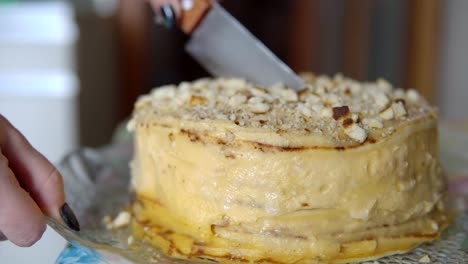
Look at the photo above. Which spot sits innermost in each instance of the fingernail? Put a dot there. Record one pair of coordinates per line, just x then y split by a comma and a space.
168, 15
69, 217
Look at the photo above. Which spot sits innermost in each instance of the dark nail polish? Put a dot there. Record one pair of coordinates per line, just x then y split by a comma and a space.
69, 217
168, 15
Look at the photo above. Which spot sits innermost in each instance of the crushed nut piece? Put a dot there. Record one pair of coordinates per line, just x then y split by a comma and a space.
288, 95
347, 122
398, 109
237, 100
384, 84
326, 112
259, 108
258, 91
195, 100
256, 100
372, 123
340, 111
305, 110
356, 132
399, 93
412, 95
387, 114
381, 100
234, 83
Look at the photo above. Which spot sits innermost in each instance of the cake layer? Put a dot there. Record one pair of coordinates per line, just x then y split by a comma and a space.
225, 194
232, 244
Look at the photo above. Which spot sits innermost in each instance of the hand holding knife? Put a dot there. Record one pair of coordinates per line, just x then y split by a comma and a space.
224, 47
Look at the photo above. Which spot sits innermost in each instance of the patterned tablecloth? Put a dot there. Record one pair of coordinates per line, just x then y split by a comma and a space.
96, 183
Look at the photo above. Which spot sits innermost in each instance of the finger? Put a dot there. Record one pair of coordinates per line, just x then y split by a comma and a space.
33, 171
21, 220
157, 4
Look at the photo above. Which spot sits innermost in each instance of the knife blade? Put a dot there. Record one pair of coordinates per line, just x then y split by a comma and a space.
225, 48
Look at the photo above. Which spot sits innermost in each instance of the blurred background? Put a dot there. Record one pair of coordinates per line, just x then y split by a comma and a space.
70, 71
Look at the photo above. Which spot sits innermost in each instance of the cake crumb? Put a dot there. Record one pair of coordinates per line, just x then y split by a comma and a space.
425, 259
130, 240
121, 220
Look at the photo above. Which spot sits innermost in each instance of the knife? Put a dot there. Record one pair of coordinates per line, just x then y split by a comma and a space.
225, 48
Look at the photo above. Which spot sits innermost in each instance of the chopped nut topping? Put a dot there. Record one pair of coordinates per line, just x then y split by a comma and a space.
315, 109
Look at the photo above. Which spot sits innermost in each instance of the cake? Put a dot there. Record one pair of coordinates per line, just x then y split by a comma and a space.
337, 172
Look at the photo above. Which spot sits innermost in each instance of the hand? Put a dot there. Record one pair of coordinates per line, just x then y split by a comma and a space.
30, 186
168, 10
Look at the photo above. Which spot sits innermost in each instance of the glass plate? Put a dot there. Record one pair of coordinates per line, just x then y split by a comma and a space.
97, 184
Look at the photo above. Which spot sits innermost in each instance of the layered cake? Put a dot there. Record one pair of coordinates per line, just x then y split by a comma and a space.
339, 171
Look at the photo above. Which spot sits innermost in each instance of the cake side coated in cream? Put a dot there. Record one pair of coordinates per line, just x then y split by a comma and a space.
287, 189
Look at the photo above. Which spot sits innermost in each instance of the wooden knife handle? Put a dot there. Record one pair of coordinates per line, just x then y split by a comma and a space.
192, 15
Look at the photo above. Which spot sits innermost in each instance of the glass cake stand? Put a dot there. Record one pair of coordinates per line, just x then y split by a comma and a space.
97, 185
